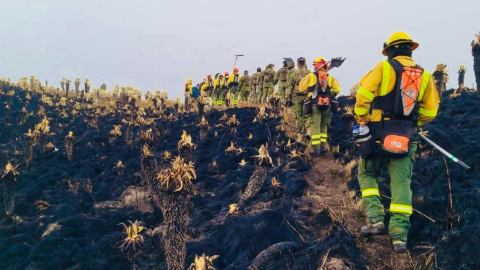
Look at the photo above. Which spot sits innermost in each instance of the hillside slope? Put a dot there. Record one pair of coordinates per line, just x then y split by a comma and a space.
314, 223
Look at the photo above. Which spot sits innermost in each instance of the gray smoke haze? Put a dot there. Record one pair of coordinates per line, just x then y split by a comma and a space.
152, 44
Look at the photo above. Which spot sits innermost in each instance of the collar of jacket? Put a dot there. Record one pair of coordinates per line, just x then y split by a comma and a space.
405, 60
403, 57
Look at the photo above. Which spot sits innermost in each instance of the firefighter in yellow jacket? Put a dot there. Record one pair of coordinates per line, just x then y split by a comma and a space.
218, 90
395, 98
321, 88
187, 93
208, 87
233, 82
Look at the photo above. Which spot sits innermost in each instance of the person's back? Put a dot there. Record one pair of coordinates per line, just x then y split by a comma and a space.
401, 97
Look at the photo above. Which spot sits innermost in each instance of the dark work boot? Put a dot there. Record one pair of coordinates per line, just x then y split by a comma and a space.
399, 247
375, 229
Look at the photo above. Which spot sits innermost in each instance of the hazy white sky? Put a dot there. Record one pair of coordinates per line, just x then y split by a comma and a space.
158, 44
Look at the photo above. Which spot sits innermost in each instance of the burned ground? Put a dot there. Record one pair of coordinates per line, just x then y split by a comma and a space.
314, 224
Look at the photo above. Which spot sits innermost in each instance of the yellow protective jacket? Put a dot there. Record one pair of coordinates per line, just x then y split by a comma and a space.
381, 81
209, 84
310, 81
232, 81
218, 83
188, 87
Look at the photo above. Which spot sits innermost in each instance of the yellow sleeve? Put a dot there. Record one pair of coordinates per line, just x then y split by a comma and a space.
429, 102
335, 86
306, 82
230, 78
369, 86
204, 86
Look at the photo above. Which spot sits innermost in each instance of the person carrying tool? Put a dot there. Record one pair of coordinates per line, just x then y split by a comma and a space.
218, 90
245, 86
233, 83
268, 78
298, 97
321, 88
395, 98
281, 78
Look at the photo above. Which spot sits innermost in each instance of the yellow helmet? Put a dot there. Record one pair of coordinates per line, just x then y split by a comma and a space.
189, 81
398, 38
320, 63
319, 59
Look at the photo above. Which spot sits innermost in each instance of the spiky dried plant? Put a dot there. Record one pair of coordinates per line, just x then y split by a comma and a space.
73, 186
233, 149
69, 141
243, 163
141, 122
295, 154
179, 177
93, 123
263, 157
62, 83
185, 146
232, 210
461, 77
233, 121
24, 116
87, 85
128, 131
203, 262
115, 133
224, 117
119, 168
171, 190
67, 87
41, 132
250, 136
9, 177
149, 136
276, 189
263, 160
203, 124
476, 59
133, 242
261, 115
440, 76
41, 112
42, 205
77, 85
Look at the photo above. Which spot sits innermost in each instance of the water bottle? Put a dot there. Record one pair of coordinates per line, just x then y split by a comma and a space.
363, 130
356, 131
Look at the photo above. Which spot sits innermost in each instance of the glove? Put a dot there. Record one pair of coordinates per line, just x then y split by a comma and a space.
363, 118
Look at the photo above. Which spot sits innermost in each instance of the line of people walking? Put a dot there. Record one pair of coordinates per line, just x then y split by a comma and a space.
394, 99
